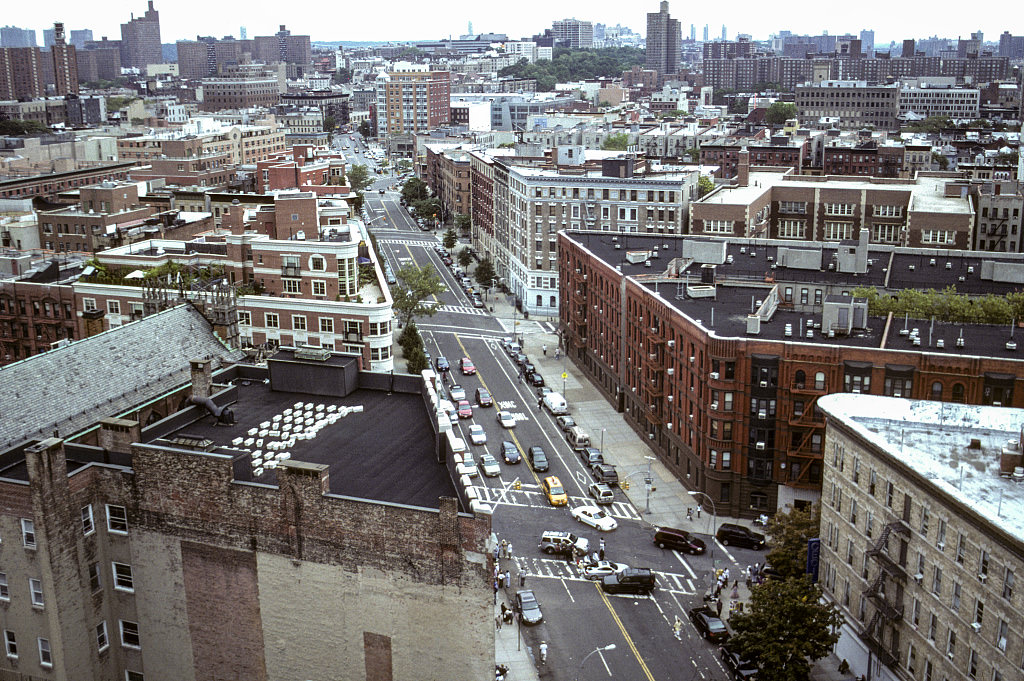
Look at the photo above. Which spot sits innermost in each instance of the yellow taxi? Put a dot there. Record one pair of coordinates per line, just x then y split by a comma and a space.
556, 495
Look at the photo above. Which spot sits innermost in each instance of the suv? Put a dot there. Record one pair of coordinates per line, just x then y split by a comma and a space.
538, 459
601, 492
591, 455
606, 473
629, 581
483, 398
680, 540
738, 535
563, 542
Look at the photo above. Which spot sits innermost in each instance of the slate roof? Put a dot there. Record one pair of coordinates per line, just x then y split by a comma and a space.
71, 388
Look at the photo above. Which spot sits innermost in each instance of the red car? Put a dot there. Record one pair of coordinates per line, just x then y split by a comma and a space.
465, 409
466, 366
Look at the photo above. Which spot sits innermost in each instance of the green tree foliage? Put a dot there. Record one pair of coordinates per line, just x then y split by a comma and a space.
414, 190
485, 273
364, 129
705, 185
780, 112
358, 178
416, 361
450, 238
464, 258
463, 223
427, 209
946, 305
410, 338
789, 533
930, 124
329, 124
940, 160
415, 286
570, 65
785, 628
18, 127
341, 76
616, 142
694, 154
118, 103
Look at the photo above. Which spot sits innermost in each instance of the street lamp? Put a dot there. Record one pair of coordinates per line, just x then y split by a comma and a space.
714, 521
602, 437
648, 483
610, 646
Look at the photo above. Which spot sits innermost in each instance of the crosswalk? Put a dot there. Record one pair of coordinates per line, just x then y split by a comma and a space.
409, 242
553, 568
531, 495
525, 327
461, 309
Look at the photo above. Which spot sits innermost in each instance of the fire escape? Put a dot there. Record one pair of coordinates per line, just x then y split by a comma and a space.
588, 211
886, 592
809, 423
578, 309
654, 375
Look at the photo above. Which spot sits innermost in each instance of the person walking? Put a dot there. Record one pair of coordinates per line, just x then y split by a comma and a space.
495, 591
508, 550
545, 349
508, 579
543, 652
677, 628
497, 621
504, 548
718, 606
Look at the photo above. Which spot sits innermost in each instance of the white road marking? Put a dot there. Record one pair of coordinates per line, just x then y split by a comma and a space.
725, 551
685, 564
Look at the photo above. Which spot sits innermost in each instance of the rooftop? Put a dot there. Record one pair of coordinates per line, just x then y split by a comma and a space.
933, 438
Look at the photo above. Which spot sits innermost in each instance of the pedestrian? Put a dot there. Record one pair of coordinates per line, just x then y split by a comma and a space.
522, 579
726, 575
508, 579
558, 353
497, 621
602, 548
718, 607
495, 591
600, 553
543, 652
545, 349
504, 548
677, 628
496, 547
735, 591
508, 550
540, 403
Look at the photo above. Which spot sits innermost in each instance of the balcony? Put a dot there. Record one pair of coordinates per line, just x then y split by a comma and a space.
290, 270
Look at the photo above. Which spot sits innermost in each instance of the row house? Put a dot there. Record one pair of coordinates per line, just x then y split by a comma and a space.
864, 158
37, 313
779, 151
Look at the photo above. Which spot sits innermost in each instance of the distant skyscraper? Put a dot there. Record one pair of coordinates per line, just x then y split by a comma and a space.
693, 33
140, 40
664, 36
705, 32
867, 42
65, 64
723, 32
470, 28
573, 33
242, 33
12, 36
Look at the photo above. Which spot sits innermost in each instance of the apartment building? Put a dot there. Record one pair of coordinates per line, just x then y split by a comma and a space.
922, 537
243, 143
140, 40
930, 100
926, 211
1000, 209
856, 104
664, 36
25, 72
185, 162
573, 33
864, 157
412, 98
244, 86
780, 151
717, 351
37, 311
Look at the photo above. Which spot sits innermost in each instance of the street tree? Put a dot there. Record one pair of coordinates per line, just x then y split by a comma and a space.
450, 238
705, 185
780, 112
414, 190
788, 534
416, 360
427, 209
485, 273
785, 628
330, 124
415, 286
616, 142
464, 258
463, 223
358, 178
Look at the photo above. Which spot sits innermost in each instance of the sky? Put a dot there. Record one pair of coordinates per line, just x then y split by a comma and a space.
403, 20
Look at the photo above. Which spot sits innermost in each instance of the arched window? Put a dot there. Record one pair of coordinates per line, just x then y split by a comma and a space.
936, 390
819, 380
958, 392
800, 378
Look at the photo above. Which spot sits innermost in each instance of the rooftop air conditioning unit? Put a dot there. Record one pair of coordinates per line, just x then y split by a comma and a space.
760, 446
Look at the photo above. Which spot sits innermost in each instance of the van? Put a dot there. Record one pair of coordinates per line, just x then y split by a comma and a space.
629, 581
678, 540
556, 404
577, 438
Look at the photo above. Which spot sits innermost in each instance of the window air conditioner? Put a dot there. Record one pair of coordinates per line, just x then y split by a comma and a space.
760, 446
714, 406
982, 577
764, 384
762, 414
714, 375
670, 371
671, 343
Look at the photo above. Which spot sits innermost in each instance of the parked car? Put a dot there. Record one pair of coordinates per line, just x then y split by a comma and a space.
709, 625
477, 435
553, 490
629, 581
728, 533
506, 420
469, 465
466, 366
554, 541
465, 409
601, 492
528, 367
536, 380
543, 390
527, 606
478, 302
538, 458
520, 358
739, 669
602, 568
605, 473
591, 455
510, 452
678, 540
489, 465
565, 422
483, 398
595, 517
442, 363
457, 392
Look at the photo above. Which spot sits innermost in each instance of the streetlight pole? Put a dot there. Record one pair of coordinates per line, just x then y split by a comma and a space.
648, 483
610, 646
602, 439
714, 521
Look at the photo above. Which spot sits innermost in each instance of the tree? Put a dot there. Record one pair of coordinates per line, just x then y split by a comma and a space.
414, 190
694, 154
464, 258
342, 75
705, 185
364, 128
940, 160
410, 338
415, 286
416, 361
358, 178
572, 65
931, 124
616, 142
789, 533
463, 223
427, 209
780, 112
329, 124
785, 628
450, 238
485, 274
19, 127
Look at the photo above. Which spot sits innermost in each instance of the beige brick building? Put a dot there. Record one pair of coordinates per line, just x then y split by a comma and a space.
922, 537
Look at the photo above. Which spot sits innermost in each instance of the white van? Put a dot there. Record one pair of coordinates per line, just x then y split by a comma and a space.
556, 404
577, 438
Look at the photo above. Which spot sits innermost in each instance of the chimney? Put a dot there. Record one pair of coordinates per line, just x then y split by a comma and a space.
202, 377
93, 322
117, 435
233, 219
743, 170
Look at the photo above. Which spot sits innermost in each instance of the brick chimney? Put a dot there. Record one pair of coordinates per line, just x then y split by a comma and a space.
743, 169
202, 377
233, 219
92, 321
117, 435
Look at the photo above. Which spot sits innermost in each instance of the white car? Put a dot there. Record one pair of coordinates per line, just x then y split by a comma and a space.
457, 392
595, 517
477, 435
506, 420
468, 466
602, 568
490, 465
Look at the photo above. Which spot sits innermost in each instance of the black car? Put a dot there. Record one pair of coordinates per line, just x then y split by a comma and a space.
510, 452
442, 363
528, 367
483, 398
538, 459
605, 473
527, 606
709, 625
738, 668
629, 581
536, 380
679, 540
737, 535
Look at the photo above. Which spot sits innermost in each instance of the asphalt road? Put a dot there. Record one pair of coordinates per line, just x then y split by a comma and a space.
578, 616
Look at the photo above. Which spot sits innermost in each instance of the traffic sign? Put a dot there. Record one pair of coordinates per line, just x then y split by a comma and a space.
565, 375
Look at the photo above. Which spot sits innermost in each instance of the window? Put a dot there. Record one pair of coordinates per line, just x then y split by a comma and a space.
11, 644
983, 565
271, 320
889, 494
924, 521
937, 581
838, 231
113, 307
28, 533
911, 659
319, 287
839, 208
244, 318
792, 229
117, 519
933, 627
326, 325
979, 611
88, 304
938, 236
1008, 580
940, 540
87, 525
951, 644
1002, 633
45, 657
5, 592
958, 393
123, 580
718, 226
955, 601
292, 285
819, 380
936, 391
299, 322
972, 665
726, 460
133, 676
102, 642
130, 634
35, 587
317, 263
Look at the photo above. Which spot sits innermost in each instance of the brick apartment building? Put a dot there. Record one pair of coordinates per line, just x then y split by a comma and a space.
866, 158
856, 104
717, 350
412, 99
921, 537
243, 143
36, 311
246, 86
48, 186
185, 162
146, 539
780, 151
24, 72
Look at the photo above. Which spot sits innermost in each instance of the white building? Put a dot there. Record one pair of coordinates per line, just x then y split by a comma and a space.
937, 100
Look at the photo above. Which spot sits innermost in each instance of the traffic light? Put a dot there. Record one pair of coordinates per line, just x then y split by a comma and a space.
517, 485
624, 484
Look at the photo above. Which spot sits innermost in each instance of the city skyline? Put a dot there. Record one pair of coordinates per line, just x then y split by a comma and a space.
185, 19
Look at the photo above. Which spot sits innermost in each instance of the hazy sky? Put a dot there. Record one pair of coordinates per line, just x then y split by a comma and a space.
409, 20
